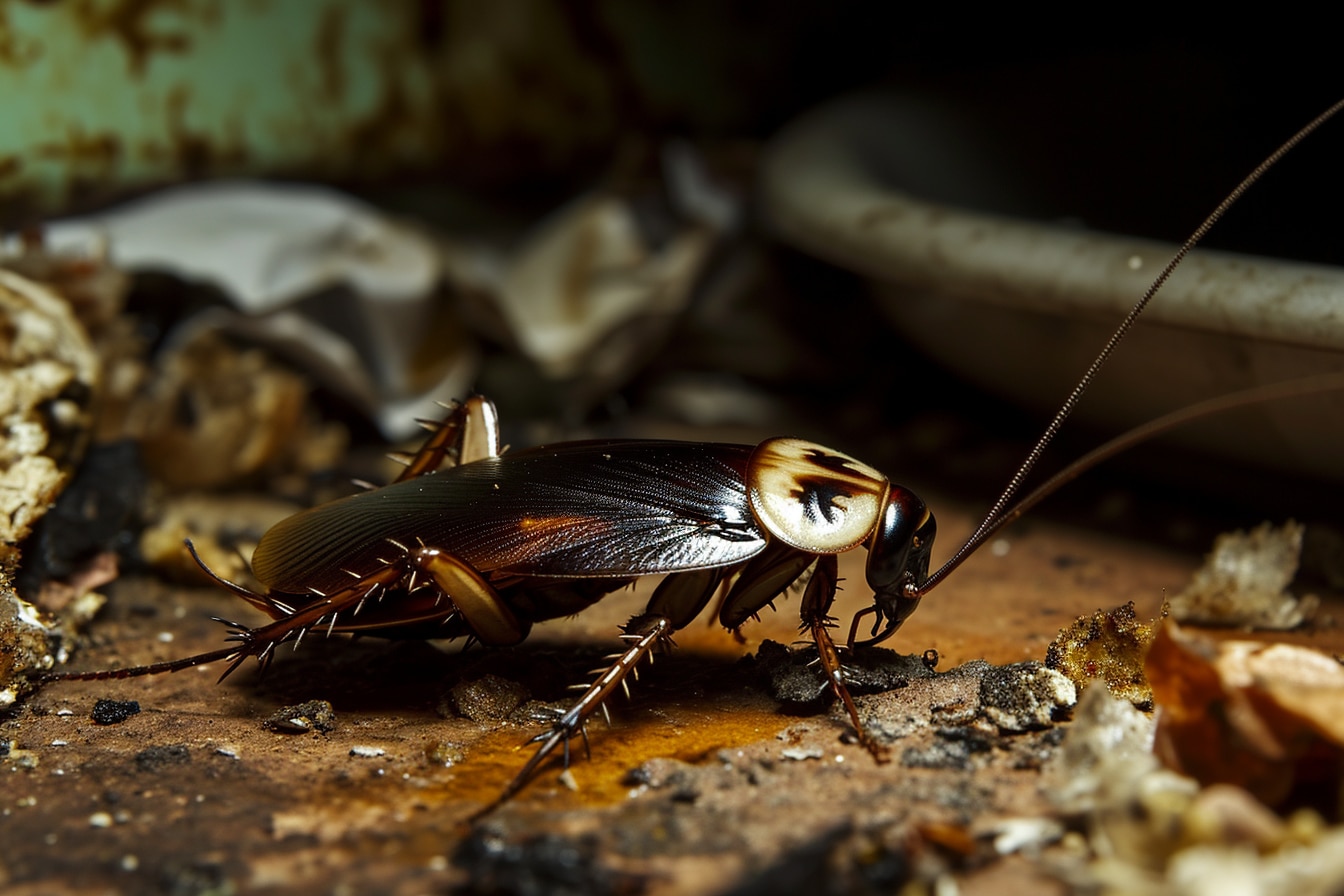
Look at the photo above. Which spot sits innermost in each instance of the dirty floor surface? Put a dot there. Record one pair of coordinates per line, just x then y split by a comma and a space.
705, 783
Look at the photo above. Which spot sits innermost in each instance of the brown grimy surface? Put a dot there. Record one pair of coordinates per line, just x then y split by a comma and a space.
705, 782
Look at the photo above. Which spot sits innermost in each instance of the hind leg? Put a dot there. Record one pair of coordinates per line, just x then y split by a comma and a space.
469, 433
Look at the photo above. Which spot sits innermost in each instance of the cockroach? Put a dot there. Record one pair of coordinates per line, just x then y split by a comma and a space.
472, 541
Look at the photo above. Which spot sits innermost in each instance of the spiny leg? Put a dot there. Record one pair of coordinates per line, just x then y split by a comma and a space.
772, 571
460, 591
259, 642
641, 636
765, 577
677, 600
469, 433
815, 615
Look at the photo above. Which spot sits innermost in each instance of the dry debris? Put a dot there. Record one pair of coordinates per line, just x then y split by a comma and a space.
1244, 582
312, 715
113, 712
1109, 645
1147, 829
48, 379
216, 414
1265, 717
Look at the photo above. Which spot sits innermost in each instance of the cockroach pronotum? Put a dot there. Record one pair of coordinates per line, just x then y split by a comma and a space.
496, 541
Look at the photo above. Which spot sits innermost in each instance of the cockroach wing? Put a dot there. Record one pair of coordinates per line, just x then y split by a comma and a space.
602, 509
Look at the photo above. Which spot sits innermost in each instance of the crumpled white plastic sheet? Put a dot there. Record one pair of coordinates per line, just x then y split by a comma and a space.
323, 278
356, 297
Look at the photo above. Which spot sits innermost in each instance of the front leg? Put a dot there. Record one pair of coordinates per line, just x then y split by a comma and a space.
815, 615
765, 577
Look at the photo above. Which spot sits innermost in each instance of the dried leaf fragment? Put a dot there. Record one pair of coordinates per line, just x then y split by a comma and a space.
1267, 717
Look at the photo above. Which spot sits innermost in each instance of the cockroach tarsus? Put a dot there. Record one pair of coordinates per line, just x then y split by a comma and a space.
472, 541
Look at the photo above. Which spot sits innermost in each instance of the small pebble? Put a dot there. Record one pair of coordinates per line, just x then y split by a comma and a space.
1017, 834
801, 753
486, 699
367, 752
314, 715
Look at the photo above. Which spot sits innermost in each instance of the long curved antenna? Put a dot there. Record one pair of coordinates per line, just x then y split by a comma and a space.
996, 518
1309, 385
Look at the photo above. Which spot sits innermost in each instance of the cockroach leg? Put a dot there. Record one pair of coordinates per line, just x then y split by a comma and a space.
816, 619
259, 642
469, 433
484, 610
641, 634
767, 575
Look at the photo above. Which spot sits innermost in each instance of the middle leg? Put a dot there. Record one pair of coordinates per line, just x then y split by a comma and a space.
677, 600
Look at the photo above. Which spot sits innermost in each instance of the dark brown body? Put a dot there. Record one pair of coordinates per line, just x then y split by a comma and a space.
552, 529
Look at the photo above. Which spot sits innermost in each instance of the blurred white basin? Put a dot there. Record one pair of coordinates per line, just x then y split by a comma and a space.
1020, 306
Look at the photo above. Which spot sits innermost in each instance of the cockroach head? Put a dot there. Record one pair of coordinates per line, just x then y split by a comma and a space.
898, 559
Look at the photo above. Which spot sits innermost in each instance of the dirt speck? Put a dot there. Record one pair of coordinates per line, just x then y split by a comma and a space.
1025, 696
113, 712
156, 759
489, 698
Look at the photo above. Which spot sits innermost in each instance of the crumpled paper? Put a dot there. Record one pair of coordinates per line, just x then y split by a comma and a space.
324, 279
365, 303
